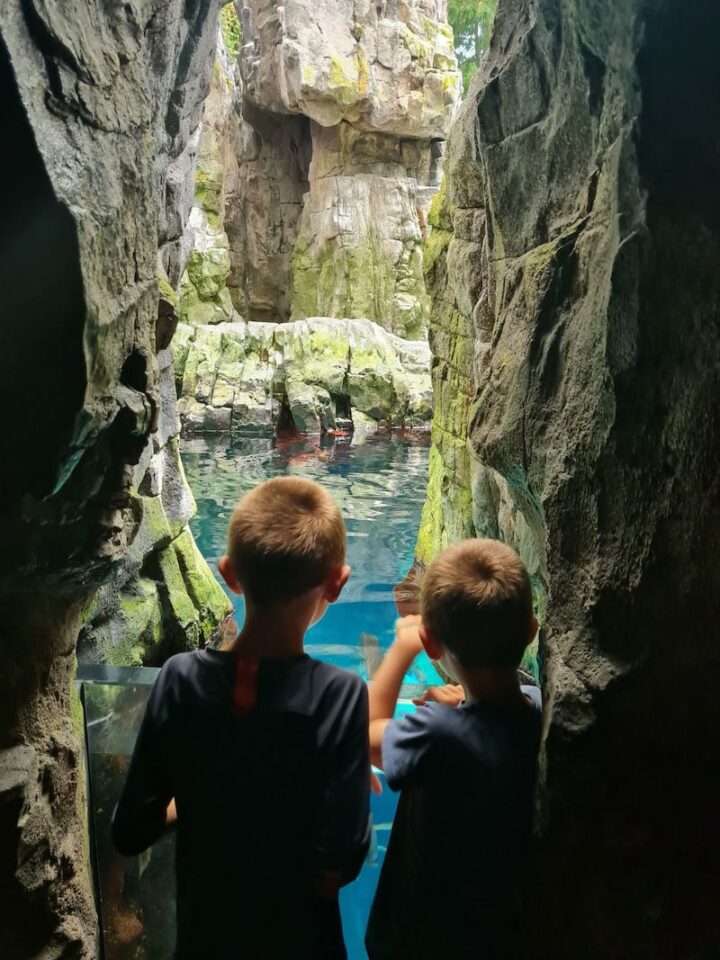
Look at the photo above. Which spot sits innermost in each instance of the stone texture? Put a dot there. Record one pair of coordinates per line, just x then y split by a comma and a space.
582, 260
265, 186
386, 66
204, 297
312, 374
358, 249
101, 104
447, 514
340, 236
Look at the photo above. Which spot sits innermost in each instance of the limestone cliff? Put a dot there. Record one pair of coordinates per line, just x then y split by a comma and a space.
575, 331
101, 104
318, 375
323, 150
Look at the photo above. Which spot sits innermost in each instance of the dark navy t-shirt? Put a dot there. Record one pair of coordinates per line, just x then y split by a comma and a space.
267, 800
451, 883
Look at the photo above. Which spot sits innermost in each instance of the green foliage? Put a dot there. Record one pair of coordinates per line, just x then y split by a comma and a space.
471, 21
231, 29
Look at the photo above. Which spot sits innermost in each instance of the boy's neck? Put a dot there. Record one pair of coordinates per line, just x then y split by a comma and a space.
492, 686
276, 631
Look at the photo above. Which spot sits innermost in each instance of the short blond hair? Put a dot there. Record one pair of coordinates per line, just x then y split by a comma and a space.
476, 600
285, 537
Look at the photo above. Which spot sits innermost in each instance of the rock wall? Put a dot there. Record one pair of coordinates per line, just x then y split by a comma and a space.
332, 149
580, 253
101, 105
316, 376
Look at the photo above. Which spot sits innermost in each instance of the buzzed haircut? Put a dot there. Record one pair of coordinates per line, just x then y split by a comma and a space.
476, 600
285, 537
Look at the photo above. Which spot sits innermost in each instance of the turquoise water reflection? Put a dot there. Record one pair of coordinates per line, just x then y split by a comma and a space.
379, 484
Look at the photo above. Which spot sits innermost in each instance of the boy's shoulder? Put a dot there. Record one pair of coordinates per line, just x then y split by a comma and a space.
467, 734
178, 666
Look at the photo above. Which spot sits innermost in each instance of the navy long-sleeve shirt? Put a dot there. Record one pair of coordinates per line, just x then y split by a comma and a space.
267, 801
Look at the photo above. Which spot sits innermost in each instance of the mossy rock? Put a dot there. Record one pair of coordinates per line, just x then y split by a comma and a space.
312, 408
231, 27
208, 270
209, 180
315, 354
343, 81
184, 335
361, 280
208, 597
132, 633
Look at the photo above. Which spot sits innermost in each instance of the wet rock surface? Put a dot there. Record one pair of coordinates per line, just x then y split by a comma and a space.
580, 257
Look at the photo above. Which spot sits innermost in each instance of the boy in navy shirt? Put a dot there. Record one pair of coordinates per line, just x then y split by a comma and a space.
258, 752
452, 882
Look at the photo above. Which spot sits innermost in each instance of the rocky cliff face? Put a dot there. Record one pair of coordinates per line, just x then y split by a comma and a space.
334, 129
101, 106
575, 328
318, 376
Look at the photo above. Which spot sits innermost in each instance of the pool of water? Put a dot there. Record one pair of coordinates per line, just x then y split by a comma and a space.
379, 484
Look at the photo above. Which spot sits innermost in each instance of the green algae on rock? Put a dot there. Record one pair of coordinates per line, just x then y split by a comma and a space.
242, 376
448, 512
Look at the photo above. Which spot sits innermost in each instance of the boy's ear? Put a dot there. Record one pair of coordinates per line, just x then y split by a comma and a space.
335, 583
228, 574
433, 648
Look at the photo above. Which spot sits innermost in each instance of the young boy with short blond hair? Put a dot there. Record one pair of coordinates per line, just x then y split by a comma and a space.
262, 750
452, 882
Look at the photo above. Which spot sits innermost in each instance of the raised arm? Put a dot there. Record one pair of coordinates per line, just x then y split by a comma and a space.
385, 684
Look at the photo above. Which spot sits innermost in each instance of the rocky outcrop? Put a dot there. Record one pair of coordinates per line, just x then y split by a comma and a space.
358, 248
100, 108
382, 66
447, 515
317, 375
331, 152
163, 598
580, 256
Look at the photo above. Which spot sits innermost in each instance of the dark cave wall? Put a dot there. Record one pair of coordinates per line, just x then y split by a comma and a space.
584, 184
100, 105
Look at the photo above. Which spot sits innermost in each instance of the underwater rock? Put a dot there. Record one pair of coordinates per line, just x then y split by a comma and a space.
246, 376
574, 328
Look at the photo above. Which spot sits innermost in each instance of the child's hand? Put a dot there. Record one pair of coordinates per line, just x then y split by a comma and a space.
452, 694
171, 815
407, 634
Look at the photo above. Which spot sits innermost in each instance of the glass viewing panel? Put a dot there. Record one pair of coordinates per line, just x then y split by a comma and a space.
136, 895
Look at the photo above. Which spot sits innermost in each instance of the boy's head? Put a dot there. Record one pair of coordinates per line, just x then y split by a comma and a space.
286, 538
476, 603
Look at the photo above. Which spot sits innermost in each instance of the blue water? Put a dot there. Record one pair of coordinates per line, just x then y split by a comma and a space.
379, 484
